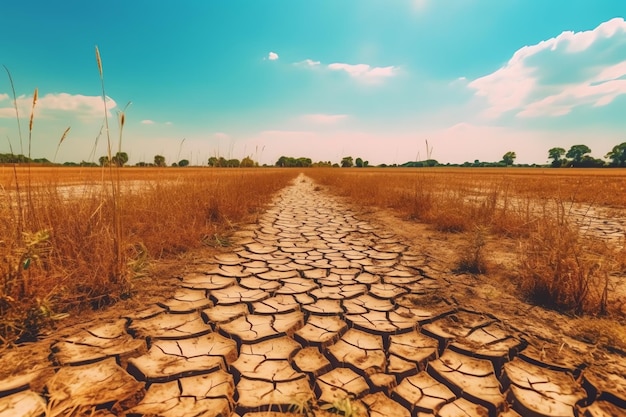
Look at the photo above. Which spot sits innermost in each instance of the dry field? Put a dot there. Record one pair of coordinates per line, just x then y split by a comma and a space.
565, 227
81, 237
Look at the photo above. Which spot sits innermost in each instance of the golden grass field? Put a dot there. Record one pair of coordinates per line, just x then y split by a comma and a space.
66, 248
79, 237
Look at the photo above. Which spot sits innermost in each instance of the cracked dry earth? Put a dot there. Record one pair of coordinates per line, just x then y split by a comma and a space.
315, 313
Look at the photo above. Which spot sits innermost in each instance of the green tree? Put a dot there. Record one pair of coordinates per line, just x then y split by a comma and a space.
591, 162
11, 158
104, 161
283, 161
556, 154
347, 162
359, 163
508, 158
577, 152
288, 161
247, 162
120, 159
617, 155
304, 162
232, 163
183, 163
159, 160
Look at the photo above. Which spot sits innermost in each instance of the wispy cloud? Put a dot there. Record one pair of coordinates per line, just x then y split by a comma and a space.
150, 122
365, 72
553, 77
272, 56
322, 118
308, 63
362, 72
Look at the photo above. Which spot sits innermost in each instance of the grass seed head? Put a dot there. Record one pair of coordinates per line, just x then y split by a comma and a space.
32, 113
99, 61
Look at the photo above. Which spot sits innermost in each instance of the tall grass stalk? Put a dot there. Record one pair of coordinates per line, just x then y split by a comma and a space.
17, 112
20, 220
63, 137
29, 188
117, 273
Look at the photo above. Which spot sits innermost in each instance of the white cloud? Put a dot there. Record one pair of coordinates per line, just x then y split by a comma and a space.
613, 72
147, 122
597, 95
80, 105
361, 72
272, 56
83, 107
554, 76
322, 118
3, 96
580, 41
507, 88
308, 63
365, 72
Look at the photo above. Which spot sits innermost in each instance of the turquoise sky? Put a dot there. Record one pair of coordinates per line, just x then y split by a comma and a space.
322, 79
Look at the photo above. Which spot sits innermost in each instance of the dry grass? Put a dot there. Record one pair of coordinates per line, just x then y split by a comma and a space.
472, 259
449, 201
558, 267
603, 333
59, 245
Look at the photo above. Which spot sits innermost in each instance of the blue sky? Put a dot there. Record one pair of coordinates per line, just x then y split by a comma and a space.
322, 79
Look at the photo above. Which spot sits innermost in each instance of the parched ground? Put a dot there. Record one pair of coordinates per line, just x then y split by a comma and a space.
319, 309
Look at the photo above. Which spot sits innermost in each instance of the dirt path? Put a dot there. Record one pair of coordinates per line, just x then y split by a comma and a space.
314, 312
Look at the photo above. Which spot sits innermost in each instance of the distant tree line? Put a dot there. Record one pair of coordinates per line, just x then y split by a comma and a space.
578, 156
290, 162
159, 161
421, 164
302, 162
222, 162
119, 159
9, 158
